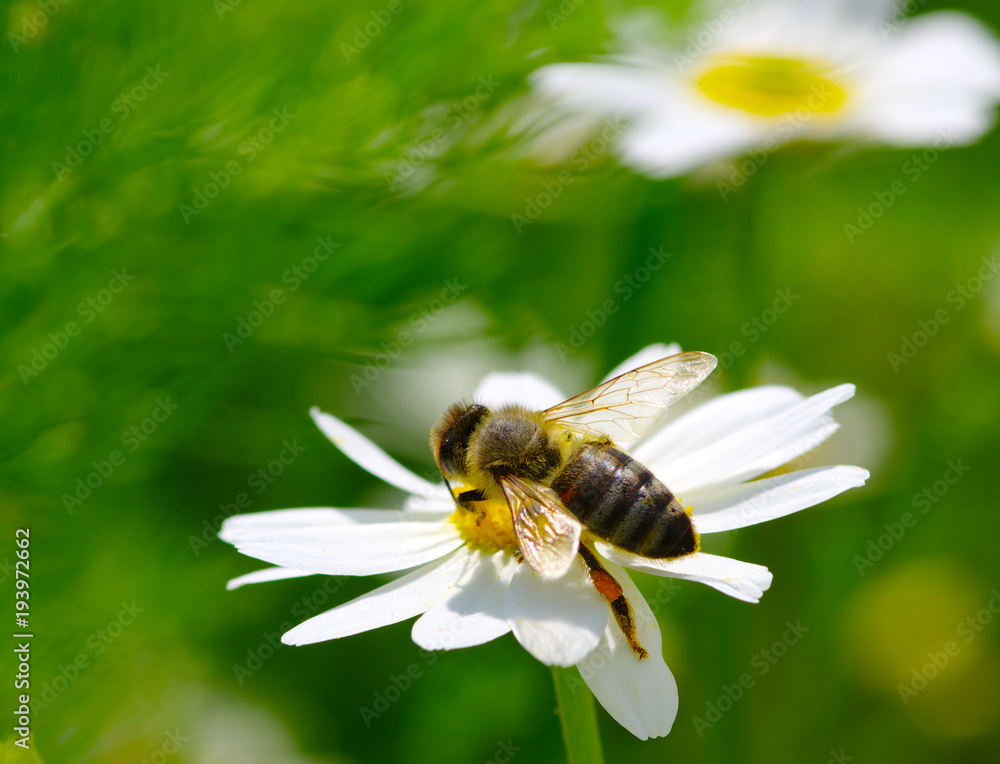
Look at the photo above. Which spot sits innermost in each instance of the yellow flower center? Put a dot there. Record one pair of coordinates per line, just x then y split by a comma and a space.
771, 86
489, 529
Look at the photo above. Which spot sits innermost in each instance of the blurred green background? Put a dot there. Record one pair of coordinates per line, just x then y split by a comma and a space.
140, 653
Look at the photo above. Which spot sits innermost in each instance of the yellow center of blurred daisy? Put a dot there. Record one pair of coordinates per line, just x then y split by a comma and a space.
490, 529
771, 86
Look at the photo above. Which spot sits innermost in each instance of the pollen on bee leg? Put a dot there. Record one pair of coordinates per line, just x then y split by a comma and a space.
689, 511
626, 622
612, 591
606, 586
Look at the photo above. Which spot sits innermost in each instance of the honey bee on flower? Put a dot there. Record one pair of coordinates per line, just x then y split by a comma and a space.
543, 507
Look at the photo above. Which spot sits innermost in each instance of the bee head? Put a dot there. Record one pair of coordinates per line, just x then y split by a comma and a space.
450, 437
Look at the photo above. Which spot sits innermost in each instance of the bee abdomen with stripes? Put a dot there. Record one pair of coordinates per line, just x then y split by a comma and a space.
618, 499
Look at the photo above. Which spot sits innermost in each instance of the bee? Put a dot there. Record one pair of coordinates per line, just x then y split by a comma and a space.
563, 476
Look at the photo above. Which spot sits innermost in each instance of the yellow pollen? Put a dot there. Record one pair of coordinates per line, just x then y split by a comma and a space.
771, 86
689, 511
489, 528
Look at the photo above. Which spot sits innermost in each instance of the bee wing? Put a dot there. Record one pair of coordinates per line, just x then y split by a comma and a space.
548, 535
627, 406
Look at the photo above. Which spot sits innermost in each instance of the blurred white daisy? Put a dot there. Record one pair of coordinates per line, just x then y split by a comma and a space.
467, 584
757, 74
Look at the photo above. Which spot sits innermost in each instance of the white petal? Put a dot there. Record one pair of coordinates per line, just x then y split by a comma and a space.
367, 455
684, 133
267, 574
473, 611
709, 421
747, 444
599, 89
404, 598
948, 49
671, 128
352, 550
648, 354
742, 580
801, 444
550, 135
641, 695
937, 83
559, 621
805, 29
723, 509
429, 507
855, 13
525, 388
307, 517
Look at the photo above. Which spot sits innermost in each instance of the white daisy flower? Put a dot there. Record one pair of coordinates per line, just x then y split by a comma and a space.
759, 73
466, 580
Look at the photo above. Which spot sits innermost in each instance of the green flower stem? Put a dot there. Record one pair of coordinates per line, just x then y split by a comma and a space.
575, 706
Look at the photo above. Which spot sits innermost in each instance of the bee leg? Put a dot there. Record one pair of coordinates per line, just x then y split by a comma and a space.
468, 500
468, 497
612, 591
